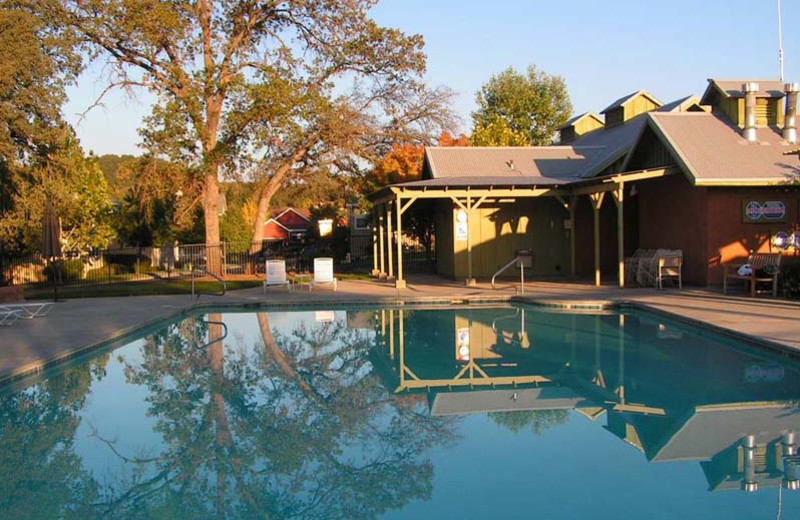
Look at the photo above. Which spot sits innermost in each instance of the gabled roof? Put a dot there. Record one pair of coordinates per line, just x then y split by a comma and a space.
555, 163
575, 119
711, 151
682, 105
624, 100
615, 142
302, 213
734, 88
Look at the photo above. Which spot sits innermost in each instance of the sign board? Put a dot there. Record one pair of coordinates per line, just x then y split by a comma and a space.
462, 344
462, 225
754, 211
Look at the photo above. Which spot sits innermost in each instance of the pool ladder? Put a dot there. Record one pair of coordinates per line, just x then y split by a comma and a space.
522, 260
196, 294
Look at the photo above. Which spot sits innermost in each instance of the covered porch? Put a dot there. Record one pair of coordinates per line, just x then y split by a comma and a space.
467, 212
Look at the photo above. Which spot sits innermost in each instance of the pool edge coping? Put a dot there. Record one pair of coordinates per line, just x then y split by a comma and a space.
38, 366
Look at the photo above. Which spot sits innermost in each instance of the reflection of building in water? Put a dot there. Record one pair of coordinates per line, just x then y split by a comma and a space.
667, 391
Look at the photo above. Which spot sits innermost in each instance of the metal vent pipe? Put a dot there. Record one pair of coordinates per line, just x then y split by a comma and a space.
790, 117
750, 89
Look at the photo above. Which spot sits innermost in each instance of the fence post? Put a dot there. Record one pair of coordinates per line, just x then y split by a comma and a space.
108, 265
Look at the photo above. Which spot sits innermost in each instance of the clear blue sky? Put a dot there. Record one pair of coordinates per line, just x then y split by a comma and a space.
603, 50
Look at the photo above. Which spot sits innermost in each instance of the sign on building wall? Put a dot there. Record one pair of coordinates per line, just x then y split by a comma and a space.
462, 225
754, 211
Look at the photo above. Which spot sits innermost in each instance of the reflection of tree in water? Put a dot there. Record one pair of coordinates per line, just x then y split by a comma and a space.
297, 427
42, 476
538, 421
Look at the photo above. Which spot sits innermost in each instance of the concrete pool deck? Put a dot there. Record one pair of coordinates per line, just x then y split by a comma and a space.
82, 324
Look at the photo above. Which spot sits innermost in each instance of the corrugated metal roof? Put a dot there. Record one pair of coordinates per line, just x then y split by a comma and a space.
680, 105
553, 162
615, 142
577, 118
489, 180
734, 88
713, 151
625, 99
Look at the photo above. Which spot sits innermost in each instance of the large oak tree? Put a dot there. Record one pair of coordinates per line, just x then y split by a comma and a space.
257, 86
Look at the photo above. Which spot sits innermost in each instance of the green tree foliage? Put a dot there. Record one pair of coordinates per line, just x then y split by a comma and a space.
110, 165
537, 421
76, 187
162, 204
40, 158
516, 109
239, 77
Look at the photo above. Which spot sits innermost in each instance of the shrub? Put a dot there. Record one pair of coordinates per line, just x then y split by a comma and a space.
790, 280
68, 270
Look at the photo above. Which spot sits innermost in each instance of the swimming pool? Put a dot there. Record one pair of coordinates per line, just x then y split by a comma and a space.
464, 412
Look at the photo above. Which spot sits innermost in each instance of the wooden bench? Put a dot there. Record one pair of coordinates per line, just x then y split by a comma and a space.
759, 262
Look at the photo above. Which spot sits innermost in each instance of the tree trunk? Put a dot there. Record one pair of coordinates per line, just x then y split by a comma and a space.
270, 188
214, 260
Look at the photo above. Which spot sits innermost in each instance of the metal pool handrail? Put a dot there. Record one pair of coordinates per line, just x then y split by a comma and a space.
212, 275
518, 259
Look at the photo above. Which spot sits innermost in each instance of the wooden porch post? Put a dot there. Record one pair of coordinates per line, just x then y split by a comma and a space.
381, 247
572, 264
375, 218
619, 195
399, 282
389, 238
470, 279
597, 202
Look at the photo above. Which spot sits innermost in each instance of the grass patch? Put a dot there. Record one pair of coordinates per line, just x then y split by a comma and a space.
137, 289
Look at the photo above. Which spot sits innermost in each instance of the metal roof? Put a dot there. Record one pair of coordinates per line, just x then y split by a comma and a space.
625, 99
579, 117
712, 151
550, 162
733, 88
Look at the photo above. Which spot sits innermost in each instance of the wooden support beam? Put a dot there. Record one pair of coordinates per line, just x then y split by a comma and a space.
406, 205
470, 280
573, 201
389, 238
597, 203
619, 195
375, 271
399, 282
479, 202
458, 202
381, 246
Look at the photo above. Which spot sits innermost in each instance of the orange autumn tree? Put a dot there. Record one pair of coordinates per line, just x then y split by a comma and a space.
404, 162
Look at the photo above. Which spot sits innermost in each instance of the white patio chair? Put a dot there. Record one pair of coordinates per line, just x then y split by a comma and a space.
276, 274
8, 318
323, 273
28, 311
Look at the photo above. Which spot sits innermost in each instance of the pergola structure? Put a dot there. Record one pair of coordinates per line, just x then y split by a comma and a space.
391, 202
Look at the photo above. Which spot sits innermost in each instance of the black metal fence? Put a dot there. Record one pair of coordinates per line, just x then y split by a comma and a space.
351, 254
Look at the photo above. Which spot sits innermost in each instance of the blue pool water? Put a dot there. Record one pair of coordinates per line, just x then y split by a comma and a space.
504, 412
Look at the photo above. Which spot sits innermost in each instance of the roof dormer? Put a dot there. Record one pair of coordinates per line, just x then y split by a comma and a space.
578, 126
628, 107
727, 98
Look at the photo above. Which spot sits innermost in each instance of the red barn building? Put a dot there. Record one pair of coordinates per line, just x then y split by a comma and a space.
287, 224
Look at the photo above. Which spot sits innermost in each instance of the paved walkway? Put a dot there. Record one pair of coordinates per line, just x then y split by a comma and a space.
79, 323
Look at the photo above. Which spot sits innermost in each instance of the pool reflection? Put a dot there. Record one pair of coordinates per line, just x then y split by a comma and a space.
734, 408
335, 414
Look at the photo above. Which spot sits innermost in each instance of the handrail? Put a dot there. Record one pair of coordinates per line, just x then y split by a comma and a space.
217, 340
519, 260
512, 262
212, 275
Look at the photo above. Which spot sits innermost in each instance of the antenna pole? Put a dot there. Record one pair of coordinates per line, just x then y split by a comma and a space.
780, 40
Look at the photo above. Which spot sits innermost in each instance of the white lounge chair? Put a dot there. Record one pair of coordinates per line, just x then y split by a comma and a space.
28, 311
8, 317
276, 274
323, 273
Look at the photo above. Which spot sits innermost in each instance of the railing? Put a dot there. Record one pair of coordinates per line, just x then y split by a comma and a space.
212, 275
215, 340
522, 258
